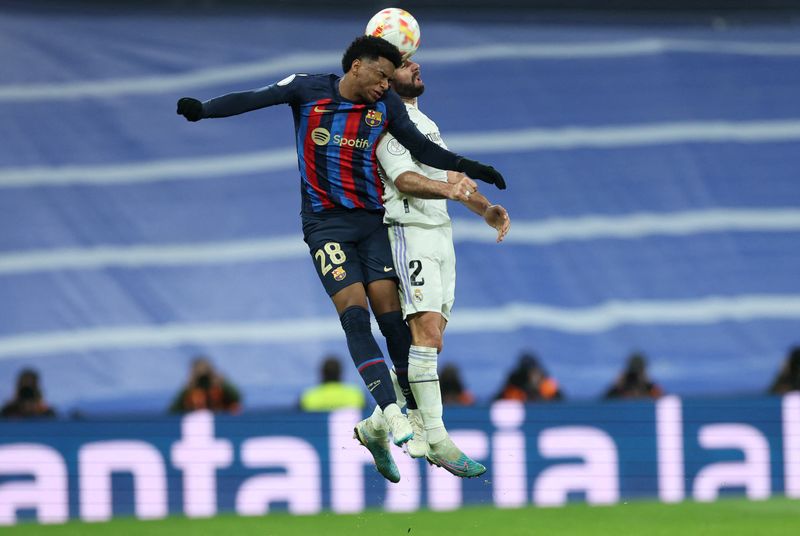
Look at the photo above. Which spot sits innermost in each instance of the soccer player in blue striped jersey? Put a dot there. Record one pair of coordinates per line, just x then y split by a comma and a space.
338, 120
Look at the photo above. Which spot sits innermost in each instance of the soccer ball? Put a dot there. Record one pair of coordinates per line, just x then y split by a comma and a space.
398, 27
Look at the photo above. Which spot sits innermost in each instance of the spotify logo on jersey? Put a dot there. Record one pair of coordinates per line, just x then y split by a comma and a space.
320, 136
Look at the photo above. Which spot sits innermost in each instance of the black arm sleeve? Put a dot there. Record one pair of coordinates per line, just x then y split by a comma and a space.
428, 152
406, 132
247, 101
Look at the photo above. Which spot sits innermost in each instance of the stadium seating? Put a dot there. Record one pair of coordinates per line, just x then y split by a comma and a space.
651, 192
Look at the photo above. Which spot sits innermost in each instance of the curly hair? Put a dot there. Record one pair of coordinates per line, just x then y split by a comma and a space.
367, 46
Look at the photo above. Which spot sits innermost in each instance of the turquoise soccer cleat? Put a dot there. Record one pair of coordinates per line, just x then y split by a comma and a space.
378, 445
448, 456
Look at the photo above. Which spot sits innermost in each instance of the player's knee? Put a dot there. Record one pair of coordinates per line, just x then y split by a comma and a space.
355, 319
431, 337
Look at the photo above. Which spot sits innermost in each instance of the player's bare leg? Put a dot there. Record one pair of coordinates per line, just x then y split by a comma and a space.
427, 330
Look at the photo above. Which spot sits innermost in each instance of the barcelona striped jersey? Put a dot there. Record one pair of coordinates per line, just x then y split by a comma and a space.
336, 138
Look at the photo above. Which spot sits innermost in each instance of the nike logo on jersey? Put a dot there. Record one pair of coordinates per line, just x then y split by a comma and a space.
387, 269
319, 110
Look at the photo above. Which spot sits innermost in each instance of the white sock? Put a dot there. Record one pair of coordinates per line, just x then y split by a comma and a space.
398, 392
424, 380
377, 420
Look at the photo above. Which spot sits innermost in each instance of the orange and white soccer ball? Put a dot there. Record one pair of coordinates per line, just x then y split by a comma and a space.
398, 27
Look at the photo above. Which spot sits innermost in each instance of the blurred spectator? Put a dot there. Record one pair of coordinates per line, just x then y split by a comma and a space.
788, 378
331, 393
529, 382
453, 392
634, 381
206, 389
28, 401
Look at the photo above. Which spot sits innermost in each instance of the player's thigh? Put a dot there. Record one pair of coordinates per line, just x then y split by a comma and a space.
332, 243
383, 296
417, 259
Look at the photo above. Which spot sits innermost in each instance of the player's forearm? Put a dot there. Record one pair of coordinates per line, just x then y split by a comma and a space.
236, 103
477, 203
417, 185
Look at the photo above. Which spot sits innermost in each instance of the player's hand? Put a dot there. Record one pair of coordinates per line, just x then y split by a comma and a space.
496, 216
461, 190
191, 109
482, 172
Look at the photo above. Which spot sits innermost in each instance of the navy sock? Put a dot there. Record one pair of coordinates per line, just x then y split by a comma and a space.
398, 341
367, 355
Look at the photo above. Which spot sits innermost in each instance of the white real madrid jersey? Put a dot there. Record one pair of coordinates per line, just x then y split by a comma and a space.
394, 160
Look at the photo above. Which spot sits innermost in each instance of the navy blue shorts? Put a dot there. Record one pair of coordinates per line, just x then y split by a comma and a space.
348, 246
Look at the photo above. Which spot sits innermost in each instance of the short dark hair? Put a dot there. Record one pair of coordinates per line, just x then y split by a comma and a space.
367, 46
331, 370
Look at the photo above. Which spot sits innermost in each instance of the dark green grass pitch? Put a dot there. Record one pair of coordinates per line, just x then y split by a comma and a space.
726, 517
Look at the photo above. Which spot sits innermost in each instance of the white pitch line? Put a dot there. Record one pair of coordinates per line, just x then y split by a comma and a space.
633, 226
611, 136
614, 314
152, 171
494, 142
326, 60
575, 320
167, 83
554, 230
269, 249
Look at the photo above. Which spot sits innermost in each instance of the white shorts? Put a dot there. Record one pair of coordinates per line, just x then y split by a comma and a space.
426, 266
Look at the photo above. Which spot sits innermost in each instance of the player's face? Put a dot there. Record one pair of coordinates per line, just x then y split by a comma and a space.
372, 78
407, 80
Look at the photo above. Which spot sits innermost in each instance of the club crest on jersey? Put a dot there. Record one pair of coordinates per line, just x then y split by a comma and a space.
418, 295
373, 118
339, 273
395, 147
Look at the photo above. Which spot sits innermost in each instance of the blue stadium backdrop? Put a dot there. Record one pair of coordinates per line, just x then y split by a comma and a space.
653, 189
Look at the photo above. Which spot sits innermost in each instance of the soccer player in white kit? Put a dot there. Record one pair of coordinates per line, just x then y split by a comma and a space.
415, 198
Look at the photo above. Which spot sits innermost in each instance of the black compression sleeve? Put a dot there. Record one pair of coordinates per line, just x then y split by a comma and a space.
245, 101
417, 144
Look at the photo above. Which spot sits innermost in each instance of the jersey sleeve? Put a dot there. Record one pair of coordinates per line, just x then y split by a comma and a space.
239, 102
423, 149
394, 158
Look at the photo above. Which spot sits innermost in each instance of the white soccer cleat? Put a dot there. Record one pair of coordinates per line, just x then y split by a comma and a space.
417, 447
398, 424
